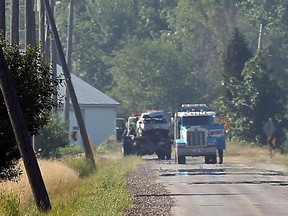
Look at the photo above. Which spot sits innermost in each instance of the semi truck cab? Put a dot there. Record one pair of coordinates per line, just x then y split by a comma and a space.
197, 134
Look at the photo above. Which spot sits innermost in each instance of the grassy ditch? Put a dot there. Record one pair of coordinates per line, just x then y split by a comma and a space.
239, 152
103, 192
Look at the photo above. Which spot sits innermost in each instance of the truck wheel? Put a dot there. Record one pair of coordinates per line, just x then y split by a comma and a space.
213, 159
210, 159
207, 159
160, 155
181, 159
124, 151
168, 156
168, 151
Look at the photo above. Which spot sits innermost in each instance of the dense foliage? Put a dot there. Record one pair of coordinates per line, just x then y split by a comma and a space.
261, 98
158, 39
131, 68
159, 54
34, 82
52, 137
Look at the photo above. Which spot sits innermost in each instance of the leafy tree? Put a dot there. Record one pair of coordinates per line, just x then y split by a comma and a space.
235, 57
201, 30
258, 98
150, 75
34, 82
51, 137
198, 29
272, 15
108, 25
237, 53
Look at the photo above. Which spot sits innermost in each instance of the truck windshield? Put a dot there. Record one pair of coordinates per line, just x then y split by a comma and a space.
196, 120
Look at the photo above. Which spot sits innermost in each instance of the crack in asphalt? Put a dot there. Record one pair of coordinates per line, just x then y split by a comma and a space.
274, 183
226, 172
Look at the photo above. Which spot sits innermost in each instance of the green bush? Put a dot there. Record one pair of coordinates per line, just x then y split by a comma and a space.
70, 150
51, 137
82, 166
9, 205
108, 146
35, 84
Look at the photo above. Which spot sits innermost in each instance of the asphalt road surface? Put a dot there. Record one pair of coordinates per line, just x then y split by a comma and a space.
224, 189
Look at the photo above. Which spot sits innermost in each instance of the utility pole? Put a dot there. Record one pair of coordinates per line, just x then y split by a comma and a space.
2, 17
14, 22
54, 58
85, 140
47, 38
259, 37
29, 22
68, 59
22, 136
41, 24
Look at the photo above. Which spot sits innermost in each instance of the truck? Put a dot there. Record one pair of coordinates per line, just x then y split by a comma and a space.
152, 135
196, 133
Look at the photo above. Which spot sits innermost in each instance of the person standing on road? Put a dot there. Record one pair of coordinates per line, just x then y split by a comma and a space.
221, 146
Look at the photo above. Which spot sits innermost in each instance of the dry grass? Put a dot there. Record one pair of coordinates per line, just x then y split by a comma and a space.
68, 193
54, 173
237, 152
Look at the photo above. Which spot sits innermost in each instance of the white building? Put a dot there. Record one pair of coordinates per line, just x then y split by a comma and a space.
98, 112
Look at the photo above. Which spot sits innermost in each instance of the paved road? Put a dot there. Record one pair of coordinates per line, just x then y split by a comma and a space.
226, 189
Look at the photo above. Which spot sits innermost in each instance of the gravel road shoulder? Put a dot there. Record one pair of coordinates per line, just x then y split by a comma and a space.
149, 197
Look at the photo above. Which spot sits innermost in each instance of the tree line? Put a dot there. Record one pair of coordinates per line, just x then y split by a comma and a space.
159, 54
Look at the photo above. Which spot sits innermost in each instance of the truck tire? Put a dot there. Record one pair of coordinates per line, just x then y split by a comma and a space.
164, 154
126, 149
168, 150
207, 159
160, 155
168, 156
127, 146
211, 159
181, 159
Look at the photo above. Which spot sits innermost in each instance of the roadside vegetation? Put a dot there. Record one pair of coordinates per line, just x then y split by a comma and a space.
240, 152
74, 189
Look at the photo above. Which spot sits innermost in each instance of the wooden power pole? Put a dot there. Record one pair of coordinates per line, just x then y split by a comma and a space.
22, 136
14, 22
68, 59
2, 17
41, 24
29, 22
85, 140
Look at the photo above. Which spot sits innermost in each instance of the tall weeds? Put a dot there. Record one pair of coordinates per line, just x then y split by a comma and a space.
102, 192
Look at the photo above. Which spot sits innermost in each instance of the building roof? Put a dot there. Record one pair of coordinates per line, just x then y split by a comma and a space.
85, 93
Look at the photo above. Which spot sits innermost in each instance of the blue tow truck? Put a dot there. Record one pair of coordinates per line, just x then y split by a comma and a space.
196, 133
